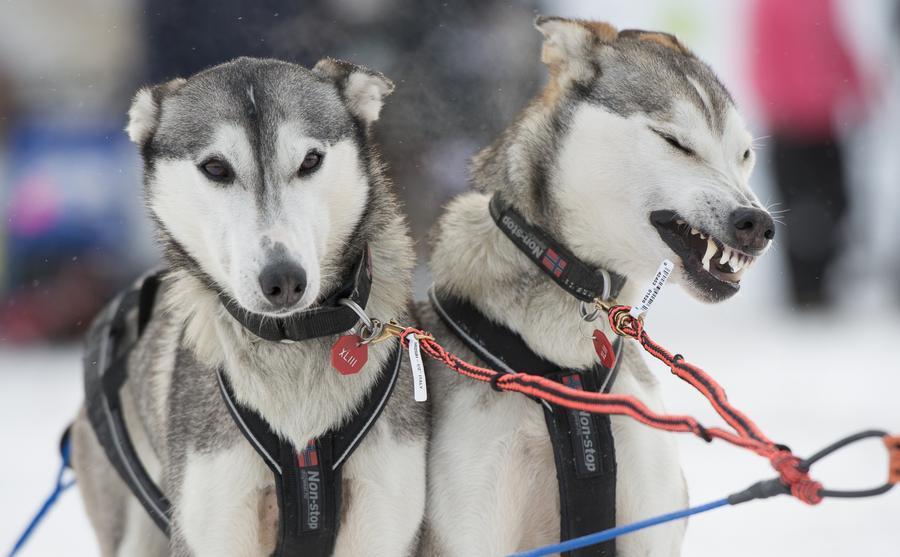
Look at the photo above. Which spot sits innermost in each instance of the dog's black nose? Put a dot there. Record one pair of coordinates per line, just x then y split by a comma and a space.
283, 283
753, 228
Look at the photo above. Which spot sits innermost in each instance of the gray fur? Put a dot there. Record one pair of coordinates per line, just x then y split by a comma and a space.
634, 76
178, 408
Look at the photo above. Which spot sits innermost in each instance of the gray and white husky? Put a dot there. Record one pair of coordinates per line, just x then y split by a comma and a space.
633, 153
247, 164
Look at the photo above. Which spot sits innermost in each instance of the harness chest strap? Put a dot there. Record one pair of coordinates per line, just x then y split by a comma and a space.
307, 480
583, 445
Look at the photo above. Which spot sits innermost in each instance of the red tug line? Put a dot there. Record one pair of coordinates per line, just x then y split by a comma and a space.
746, 434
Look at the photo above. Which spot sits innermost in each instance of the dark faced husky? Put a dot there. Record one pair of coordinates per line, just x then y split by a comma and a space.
632, 154
267, 192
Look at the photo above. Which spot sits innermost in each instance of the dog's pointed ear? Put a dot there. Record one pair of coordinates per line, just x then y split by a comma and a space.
143, 116
363, 89
570, 45
667, 40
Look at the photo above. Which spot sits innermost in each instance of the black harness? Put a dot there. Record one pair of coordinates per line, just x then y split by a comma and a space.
307, 480
583, 445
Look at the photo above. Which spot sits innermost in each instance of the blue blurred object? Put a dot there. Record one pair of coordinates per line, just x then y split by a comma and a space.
73, 213
68, 195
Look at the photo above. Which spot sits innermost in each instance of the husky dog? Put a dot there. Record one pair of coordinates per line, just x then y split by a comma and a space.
265, 186
633, 153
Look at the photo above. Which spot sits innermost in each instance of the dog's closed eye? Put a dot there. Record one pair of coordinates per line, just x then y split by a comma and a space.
671, 140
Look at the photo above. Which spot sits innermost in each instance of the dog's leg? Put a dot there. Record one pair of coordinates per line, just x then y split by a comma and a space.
141, 536
493, 489
650, 480
122, 525
104, 495
383, 498
222, 496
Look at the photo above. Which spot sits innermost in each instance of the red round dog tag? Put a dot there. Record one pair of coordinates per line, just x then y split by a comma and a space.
604, 349
349, 355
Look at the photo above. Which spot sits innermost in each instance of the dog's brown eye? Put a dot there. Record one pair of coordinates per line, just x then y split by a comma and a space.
311, 162
216, 169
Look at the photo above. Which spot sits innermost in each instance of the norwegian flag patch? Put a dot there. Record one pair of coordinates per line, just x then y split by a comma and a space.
309, 456
554, 262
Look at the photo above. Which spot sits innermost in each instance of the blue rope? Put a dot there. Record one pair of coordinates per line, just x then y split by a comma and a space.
61, 486
606, 535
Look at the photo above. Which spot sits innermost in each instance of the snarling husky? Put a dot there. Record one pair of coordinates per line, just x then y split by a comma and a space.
267, 193
633, 153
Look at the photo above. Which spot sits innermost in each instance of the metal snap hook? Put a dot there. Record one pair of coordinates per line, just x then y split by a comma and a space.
586, 313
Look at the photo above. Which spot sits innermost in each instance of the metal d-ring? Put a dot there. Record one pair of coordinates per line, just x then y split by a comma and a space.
586, 314
360, 312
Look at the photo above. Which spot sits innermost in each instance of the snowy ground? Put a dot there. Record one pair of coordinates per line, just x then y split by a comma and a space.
806, 379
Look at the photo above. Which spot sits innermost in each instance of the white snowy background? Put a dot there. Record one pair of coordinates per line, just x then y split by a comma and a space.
806, 379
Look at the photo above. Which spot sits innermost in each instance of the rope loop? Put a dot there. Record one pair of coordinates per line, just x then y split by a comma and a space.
792, 475
623, 324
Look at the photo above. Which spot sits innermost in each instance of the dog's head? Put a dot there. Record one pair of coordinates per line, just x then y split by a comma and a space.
256, 173
652, 157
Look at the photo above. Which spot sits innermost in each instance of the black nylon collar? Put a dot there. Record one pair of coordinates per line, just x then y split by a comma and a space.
329, 318
572, 274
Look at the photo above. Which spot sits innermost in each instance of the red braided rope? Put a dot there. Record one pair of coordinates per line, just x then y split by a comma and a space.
745, 435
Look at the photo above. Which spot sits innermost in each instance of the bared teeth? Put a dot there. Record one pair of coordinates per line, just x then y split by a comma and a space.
710, 251
726, 255
694, 231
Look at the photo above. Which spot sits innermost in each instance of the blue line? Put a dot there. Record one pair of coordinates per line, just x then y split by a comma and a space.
606, 535
58, 490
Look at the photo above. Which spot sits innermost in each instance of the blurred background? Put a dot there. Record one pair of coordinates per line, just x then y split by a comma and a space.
806, 347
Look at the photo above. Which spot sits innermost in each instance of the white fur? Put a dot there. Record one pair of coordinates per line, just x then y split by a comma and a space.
142, 116
141, 537
231, 236
567, 48
492, 484
491, 471
381, 518
221, 491
365, 93
219, 509
603, 164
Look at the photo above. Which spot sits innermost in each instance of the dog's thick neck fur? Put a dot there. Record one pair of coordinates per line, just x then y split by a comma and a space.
293, 385
473, 259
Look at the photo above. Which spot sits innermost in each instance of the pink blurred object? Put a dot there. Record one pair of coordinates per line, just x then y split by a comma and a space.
35, 205
801, 67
